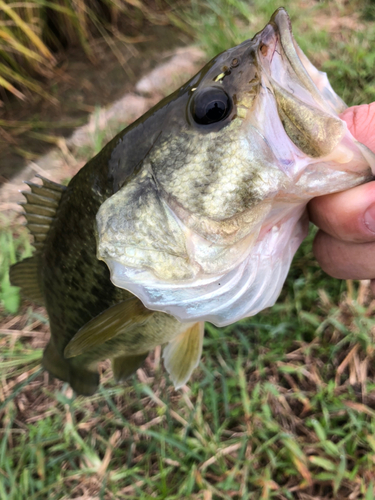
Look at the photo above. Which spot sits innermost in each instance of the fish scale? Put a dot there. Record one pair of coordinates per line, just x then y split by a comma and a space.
75, 286
193, 213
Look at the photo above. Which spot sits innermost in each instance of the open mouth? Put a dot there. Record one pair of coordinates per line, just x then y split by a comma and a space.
292, 129
314, 81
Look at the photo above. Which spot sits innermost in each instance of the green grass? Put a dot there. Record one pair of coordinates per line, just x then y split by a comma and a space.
15, 245
269, 413
341, 42
282, 405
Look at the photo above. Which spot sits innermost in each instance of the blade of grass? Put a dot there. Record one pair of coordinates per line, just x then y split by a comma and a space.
7, 85
27, 30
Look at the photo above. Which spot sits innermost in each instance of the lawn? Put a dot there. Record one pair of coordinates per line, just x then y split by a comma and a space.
282, 405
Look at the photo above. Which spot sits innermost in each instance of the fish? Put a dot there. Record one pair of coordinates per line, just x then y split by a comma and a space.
192, 213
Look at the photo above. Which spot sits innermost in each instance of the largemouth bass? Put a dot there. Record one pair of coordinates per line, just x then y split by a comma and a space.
191, 214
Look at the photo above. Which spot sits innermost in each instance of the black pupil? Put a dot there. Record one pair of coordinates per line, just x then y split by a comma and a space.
215, 110
210, 106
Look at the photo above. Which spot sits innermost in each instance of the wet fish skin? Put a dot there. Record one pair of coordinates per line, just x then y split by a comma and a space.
76, 285
222, 207
175, 201
73, 284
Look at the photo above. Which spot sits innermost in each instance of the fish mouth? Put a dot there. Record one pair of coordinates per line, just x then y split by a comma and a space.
294, 124
282, 20
277, 35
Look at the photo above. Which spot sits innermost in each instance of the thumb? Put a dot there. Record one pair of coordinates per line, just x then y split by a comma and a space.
361, 123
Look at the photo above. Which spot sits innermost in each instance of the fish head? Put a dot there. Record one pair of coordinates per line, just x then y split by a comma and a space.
206, 218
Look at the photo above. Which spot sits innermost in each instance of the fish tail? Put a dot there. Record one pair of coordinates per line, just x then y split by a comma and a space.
54, 363
82, 380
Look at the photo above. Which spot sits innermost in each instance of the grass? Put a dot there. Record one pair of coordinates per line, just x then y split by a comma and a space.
340, 41
35, 34
282, 405
15, 245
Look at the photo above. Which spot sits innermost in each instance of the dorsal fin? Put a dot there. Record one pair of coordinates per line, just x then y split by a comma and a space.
40, 207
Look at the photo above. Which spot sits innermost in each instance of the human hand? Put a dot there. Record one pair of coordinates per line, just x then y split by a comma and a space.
345, 243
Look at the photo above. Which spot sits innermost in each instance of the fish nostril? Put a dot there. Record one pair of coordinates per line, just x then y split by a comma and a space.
263, 49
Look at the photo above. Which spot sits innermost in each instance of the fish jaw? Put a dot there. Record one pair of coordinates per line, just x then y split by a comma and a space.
223, 299
215, 238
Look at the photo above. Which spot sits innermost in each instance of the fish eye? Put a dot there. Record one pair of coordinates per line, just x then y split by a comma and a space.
210, 105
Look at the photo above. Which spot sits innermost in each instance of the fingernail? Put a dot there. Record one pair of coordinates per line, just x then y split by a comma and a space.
370, 218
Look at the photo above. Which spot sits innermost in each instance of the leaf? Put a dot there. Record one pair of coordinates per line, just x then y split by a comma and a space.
340, 474
323, 463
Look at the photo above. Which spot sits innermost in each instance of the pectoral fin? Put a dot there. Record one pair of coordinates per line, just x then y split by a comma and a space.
124, 366
183, 353
108, 324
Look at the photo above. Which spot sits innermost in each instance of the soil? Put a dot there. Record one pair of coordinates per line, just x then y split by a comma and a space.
77, 88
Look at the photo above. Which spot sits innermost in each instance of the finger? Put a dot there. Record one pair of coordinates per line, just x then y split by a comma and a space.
348, 216
361, 123
344, 260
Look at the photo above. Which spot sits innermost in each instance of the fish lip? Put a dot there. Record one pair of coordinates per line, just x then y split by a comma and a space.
279, 24
281, 21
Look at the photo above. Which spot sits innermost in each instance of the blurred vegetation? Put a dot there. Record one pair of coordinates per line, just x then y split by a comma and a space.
15, 245
282, 405
341, 42
34, 34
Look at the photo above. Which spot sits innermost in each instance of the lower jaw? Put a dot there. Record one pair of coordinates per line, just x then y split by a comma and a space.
251, 286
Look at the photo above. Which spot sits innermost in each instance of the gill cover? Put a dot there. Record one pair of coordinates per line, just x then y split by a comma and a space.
207, 225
